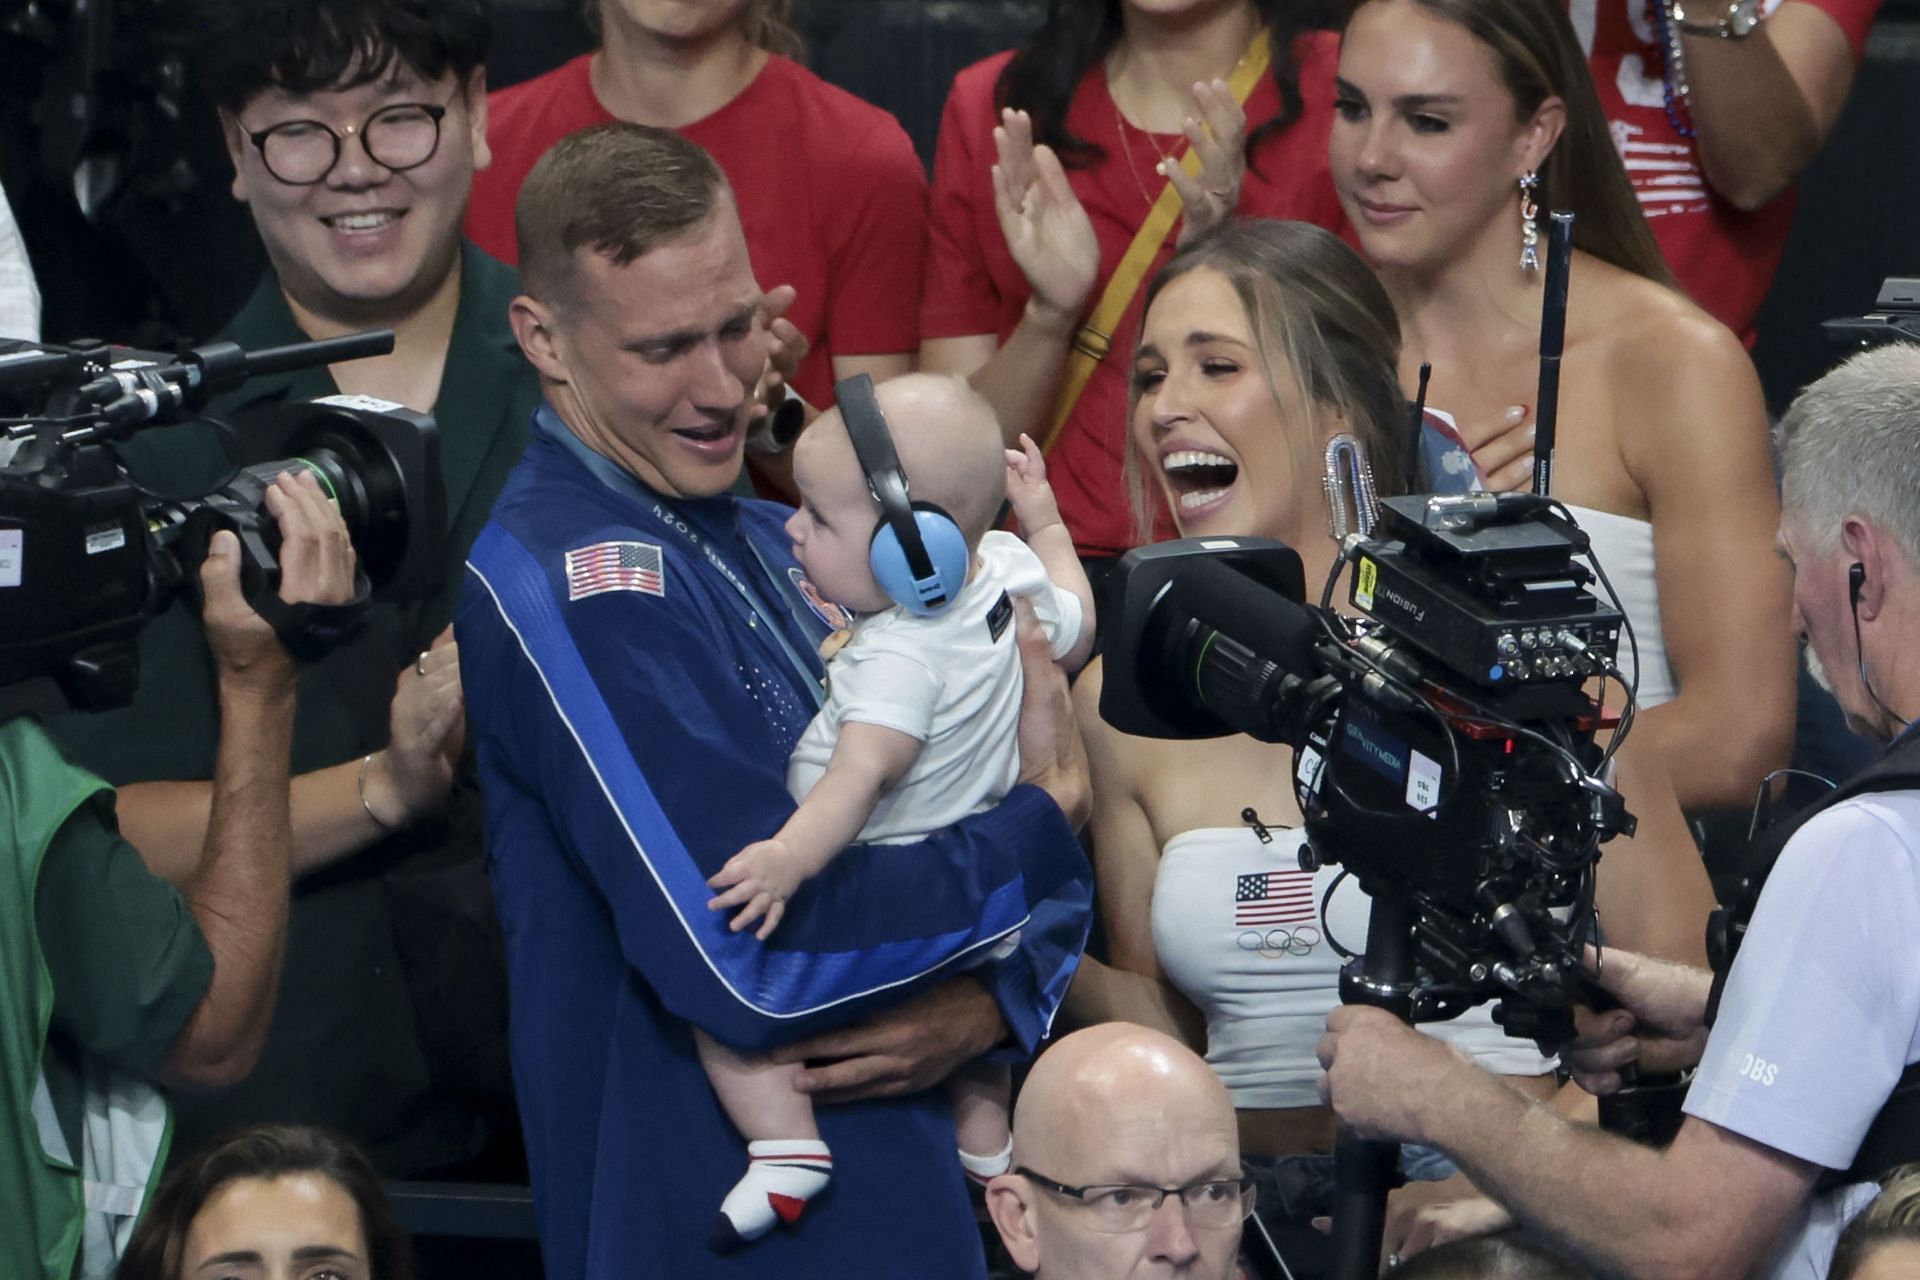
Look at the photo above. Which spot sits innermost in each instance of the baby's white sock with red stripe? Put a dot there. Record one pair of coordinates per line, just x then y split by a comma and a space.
782, 1175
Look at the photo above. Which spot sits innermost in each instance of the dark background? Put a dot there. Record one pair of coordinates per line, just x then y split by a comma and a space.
166, 253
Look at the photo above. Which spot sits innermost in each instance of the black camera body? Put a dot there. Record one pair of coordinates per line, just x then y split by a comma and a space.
87, 554
1445, 749
1895, 318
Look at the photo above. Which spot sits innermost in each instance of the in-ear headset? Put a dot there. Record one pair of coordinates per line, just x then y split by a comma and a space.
918, 553
1856, 580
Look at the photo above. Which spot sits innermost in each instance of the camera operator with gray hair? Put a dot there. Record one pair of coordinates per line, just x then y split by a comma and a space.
1803, 1048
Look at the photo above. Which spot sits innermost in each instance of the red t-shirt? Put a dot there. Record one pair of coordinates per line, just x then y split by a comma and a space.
973, 286
831, 194
1724, 259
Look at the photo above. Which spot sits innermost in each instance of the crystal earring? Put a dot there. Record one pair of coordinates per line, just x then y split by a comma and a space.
1529, 227
1352, 504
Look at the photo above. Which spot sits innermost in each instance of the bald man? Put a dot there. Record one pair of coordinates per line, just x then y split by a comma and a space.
1109, 1119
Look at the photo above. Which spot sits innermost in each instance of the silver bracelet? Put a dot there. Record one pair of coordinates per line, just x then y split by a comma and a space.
366, 760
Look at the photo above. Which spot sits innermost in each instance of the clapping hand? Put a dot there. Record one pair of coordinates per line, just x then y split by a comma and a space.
1217, 136
1048, 232
426, 729
787, 347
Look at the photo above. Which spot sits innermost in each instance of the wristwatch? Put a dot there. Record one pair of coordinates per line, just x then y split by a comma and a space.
1724, 19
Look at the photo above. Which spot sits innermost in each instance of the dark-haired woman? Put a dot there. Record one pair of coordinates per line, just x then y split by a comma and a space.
1095, 113
276, 1202
1456, 118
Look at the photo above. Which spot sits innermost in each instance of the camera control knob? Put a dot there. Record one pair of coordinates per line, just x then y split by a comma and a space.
1309, 857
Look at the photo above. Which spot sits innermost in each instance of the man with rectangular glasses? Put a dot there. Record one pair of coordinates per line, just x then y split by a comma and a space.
1127, 1163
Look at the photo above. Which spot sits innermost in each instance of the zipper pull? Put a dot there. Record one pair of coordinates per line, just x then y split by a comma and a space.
1252, 819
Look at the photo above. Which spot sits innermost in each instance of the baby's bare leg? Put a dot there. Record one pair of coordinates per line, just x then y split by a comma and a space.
981, 1091
787, 1164
756, 1092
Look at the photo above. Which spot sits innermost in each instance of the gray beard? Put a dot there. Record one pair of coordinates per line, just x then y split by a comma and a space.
1818, 672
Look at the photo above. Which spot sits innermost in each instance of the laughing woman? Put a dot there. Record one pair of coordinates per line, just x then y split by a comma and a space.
1260, 346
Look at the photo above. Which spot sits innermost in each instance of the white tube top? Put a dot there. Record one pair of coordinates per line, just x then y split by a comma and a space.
1624, 547
1239, 930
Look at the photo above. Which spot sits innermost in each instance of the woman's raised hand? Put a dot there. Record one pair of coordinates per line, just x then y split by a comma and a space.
1217, 135
1048, 232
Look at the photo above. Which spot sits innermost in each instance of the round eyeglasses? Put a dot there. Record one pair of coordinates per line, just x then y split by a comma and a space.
397, 137
1118, 1208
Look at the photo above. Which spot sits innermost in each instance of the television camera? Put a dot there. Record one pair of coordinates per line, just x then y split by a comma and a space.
1445, 750
1895, 318
87, 553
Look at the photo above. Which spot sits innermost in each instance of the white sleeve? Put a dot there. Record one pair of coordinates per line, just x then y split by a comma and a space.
19, 296
1022, 574
872, 681
1820, 1014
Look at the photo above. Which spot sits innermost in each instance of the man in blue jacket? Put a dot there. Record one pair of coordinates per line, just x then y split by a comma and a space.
639, 655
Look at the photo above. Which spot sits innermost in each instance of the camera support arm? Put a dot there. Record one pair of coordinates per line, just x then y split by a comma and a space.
1364, 1170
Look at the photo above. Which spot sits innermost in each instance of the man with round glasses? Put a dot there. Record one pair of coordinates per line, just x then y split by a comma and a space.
1127, 1163
397, 137
354, 128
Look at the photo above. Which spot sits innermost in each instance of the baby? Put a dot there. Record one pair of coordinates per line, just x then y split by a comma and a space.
919, 729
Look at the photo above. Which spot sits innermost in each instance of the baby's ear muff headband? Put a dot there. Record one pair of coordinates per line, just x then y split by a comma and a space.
913, 576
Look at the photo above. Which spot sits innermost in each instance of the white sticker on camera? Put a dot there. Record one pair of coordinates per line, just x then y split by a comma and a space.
372, 404
1308, 775
1423, 785
12, 553
107, 538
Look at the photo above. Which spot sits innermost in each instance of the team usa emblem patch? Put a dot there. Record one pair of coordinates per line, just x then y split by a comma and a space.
615, 566
824, 609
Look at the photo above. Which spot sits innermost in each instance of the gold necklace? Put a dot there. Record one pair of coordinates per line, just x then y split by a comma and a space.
1126, 148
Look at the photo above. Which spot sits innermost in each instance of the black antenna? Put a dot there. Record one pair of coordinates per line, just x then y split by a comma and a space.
1420, 418
1553, 337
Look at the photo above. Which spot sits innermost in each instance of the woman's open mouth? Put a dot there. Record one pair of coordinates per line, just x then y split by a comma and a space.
1198, 478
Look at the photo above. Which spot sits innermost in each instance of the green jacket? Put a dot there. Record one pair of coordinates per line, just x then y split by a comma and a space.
47, 1185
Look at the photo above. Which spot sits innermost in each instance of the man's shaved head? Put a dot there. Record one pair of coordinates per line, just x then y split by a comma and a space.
1117, 1103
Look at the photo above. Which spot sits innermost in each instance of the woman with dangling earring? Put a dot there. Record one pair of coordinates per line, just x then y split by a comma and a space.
1266, 403
1460, 124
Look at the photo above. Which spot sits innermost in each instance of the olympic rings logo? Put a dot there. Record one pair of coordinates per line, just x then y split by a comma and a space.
1274, 943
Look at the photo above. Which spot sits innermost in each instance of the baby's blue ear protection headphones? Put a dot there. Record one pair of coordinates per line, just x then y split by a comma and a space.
918, 553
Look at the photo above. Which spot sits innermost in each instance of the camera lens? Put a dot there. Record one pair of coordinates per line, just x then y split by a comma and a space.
365, 483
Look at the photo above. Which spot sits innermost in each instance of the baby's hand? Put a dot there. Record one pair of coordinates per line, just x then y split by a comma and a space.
759, 879
1027, 488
